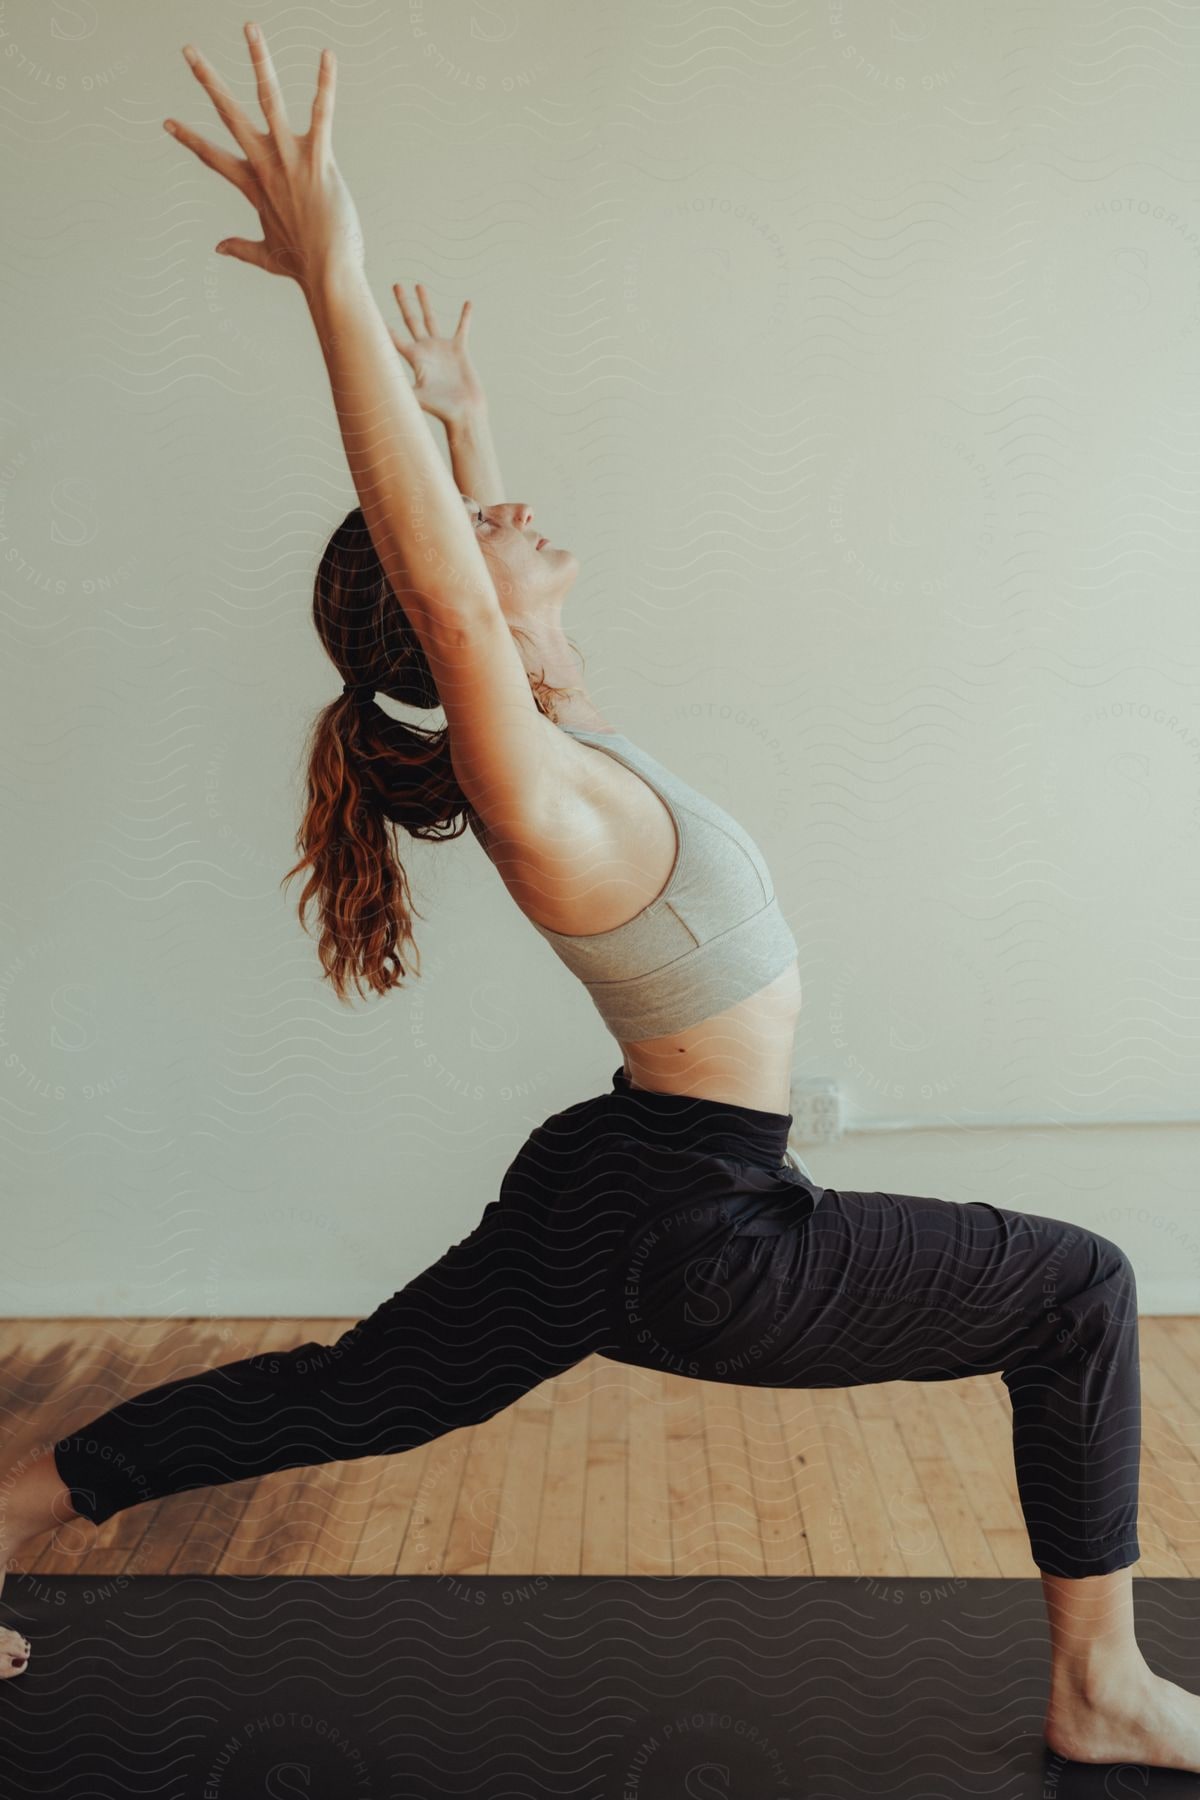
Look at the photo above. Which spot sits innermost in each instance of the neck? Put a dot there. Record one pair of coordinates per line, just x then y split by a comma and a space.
545, 652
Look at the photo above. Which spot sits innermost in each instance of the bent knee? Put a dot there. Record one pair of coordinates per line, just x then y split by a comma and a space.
1112, 1262
1112, 1290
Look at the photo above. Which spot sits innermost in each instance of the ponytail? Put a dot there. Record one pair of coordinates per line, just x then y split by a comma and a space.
369, 774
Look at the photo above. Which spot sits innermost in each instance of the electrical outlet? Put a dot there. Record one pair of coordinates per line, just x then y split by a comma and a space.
816, 1105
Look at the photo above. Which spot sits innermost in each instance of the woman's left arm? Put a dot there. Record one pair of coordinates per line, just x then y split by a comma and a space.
311, 233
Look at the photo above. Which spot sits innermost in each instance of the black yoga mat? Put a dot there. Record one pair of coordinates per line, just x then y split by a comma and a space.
597, 1688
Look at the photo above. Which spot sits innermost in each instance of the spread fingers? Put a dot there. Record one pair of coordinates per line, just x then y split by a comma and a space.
232, 116
269, 96
402, 303
233, 168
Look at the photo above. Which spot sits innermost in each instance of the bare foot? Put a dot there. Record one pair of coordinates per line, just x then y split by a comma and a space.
14, 1654
1144, 1719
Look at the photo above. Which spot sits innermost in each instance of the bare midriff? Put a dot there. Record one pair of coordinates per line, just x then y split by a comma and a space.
581, 879
742, 1055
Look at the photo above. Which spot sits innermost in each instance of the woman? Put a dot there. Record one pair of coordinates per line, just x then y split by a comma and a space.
660, 1223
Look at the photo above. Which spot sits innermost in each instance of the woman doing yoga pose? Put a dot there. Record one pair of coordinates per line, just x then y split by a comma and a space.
661, 1223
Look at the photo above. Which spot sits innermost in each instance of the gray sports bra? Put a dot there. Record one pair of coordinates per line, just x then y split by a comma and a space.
713, 936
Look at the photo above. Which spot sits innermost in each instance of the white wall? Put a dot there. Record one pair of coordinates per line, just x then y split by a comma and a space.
857, 352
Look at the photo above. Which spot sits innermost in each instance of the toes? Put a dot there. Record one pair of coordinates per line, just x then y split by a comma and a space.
15, 1650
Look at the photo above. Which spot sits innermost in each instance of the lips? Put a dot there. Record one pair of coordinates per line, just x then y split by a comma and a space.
540, 542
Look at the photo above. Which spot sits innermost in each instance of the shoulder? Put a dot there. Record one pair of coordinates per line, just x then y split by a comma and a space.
532, 791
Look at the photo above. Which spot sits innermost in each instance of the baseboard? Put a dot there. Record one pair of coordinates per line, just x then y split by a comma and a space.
1160, 1298
321, 1300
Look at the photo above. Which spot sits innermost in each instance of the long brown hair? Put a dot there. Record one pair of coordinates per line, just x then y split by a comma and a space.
369, 772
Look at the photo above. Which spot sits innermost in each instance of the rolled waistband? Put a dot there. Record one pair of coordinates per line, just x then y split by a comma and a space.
718, 1127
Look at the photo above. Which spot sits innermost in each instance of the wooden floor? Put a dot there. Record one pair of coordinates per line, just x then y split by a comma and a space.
606, 1470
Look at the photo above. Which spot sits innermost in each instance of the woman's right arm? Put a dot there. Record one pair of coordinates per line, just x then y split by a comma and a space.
473, 459
409, 498
500, 745
448, 388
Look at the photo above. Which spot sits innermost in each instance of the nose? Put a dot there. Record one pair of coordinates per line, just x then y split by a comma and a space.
523, 515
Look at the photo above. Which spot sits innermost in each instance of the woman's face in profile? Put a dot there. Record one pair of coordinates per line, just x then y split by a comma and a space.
527, 570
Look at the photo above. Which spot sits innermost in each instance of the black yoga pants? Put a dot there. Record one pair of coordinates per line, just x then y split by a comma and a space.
673, 1233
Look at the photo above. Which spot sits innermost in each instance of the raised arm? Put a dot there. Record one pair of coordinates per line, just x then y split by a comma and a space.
448, 388
499, 741
411, 503
311, 232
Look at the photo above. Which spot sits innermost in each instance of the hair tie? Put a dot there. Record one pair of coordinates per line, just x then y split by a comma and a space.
359, 690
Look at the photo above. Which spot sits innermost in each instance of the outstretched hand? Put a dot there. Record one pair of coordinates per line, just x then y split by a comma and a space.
447, 385
309, 221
